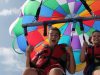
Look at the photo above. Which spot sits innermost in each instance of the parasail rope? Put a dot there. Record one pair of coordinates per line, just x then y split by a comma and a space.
13, 46
87, 7
38, 11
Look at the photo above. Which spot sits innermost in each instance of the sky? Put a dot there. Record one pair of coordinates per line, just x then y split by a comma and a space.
10, 62
9, 11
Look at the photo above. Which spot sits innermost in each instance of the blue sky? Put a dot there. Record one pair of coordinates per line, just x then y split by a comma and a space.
10, 62
9, 11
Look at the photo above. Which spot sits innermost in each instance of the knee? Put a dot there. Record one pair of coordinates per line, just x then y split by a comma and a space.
96, 72
56, 71
30, 71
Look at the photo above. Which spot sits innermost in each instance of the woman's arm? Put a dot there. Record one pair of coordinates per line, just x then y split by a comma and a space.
71, 62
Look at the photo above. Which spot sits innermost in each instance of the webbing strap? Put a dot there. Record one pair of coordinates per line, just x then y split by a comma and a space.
38, 11
48, 59
13, 46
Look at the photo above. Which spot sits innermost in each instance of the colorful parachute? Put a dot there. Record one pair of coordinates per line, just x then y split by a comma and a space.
44, 10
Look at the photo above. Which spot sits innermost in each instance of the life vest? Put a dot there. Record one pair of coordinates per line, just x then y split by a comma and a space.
96, 51
92, 57
47, 56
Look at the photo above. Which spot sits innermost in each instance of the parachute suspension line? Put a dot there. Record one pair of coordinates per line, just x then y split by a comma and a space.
45, 29
37, 16
25, 34
73, 29
87, 7
82, 29
38, 11
13, 46
71, 37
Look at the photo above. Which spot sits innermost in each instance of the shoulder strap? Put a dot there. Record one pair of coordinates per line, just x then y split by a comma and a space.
92, 48
92, 52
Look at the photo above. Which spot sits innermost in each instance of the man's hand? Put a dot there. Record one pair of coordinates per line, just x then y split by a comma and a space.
29, 49
69, 50
71, 62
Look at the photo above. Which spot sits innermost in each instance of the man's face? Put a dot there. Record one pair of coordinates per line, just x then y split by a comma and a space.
53, 37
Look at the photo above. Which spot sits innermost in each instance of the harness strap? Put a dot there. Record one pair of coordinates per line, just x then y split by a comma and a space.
61, 62
48, 59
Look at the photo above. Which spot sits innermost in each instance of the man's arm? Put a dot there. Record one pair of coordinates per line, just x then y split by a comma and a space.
71, 62
28, 51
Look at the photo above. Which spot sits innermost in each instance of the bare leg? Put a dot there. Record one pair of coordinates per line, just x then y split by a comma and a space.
96, 72
56, 71
30, 71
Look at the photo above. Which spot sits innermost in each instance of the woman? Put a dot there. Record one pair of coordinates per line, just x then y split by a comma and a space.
91, 54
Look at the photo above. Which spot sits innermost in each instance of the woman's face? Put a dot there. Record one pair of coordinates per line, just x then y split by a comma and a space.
96, 38
53, 37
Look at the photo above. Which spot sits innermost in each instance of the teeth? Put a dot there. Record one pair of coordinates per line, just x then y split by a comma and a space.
96, 41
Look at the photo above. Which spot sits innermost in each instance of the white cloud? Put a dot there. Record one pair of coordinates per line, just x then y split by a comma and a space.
7, 12
10, 62
14, 64
4, 1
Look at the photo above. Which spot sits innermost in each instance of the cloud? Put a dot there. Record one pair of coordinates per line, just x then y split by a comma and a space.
10, 62
4, 1
8, 12
14, 64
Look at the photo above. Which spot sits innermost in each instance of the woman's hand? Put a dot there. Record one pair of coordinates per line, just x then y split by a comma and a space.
83, 52
85, 44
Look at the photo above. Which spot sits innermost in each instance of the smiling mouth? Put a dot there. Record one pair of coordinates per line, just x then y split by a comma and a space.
96, 41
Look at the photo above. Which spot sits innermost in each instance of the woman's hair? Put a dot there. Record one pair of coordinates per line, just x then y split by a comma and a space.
92, 34
95, 31
56, 29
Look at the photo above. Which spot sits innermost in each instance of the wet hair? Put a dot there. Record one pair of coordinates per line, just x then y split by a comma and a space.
56, 29
92, 34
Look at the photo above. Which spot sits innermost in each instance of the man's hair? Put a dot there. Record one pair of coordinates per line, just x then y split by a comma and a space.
56, 29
